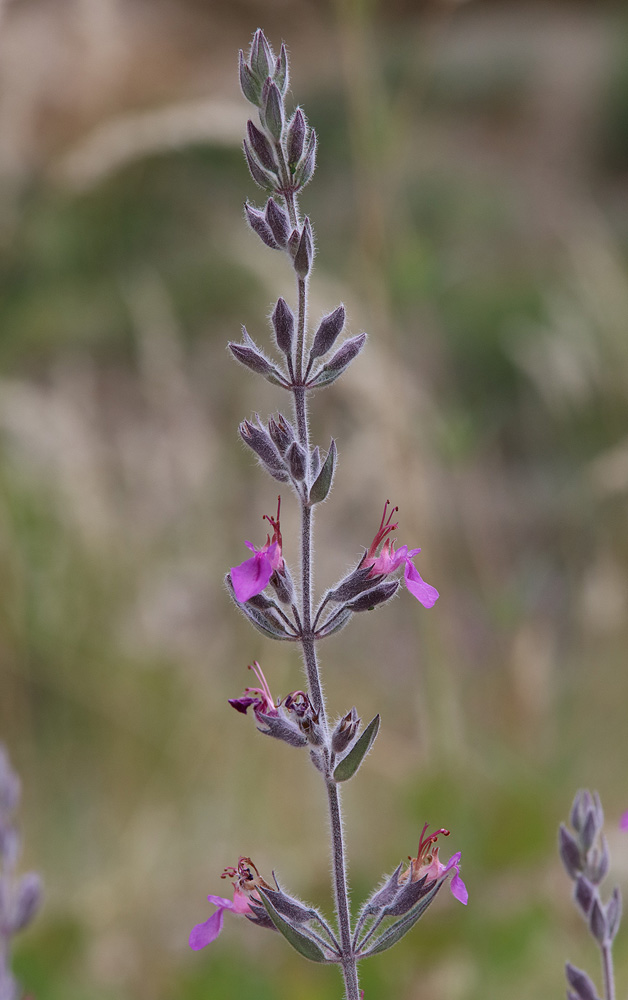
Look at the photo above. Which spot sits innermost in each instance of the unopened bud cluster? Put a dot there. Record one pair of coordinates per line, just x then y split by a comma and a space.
20, 896
585, 857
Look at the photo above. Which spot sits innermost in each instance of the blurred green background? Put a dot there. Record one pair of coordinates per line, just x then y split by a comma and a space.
471, 210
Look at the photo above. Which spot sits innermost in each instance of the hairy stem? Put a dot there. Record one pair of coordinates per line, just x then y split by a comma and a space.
349, 967
607, 968
348, 961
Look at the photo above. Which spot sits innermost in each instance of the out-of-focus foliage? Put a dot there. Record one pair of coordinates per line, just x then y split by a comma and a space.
471, 211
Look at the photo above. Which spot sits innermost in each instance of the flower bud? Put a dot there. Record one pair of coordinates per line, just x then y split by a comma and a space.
409, 894
261, 56
597, 922
584, 895
281, 432
258, 438
569, 852
580, 983
385, 894
307, 718
278, 221
304, 169
296, 137
272, 114
297, 461
27, 901
328, 330
581, 804
281, 582
284, 729
588, 832
293, 909
261, 602
318, 760
352, 585
283, 326
377, 595
258, 224
252, 359
251, 88
281, 75
305, 251
613, 913
598, 863
266, 622
266, 179
340, 360
258, 916
260, 145
345, 731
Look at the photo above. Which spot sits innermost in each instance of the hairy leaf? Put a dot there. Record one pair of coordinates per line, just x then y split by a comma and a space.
347, 767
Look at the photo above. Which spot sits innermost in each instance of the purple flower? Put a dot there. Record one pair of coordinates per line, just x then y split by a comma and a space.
259, 699
252, 576
623, 823
428, 863
292, 719
204, 934
389, 560
244, 888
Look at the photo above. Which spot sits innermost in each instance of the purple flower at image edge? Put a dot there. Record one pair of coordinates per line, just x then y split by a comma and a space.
247, 878
623, 823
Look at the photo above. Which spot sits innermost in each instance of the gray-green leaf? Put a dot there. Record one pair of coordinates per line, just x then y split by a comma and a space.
299, 941
347, 767
322, 484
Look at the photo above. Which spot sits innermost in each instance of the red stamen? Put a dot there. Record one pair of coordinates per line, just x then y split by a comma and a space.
385, 528
275, 525
425, 843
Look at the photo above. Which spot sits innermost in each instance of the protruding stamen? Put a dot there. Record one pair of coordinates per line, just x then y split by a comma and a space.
385, 528
274, 522
257, 670
424, 842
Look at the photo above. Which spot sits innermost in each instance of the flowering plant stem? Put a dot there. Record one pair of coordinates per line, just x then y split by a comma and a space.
349, 963
281, 157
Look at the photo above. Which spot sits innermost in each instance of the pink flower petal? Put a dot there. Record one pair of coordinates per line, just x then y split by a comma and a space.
458, 888
251, 577
204, 934
623, 823
424, 593
240, 902
225, 904
273, 554
388, 560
